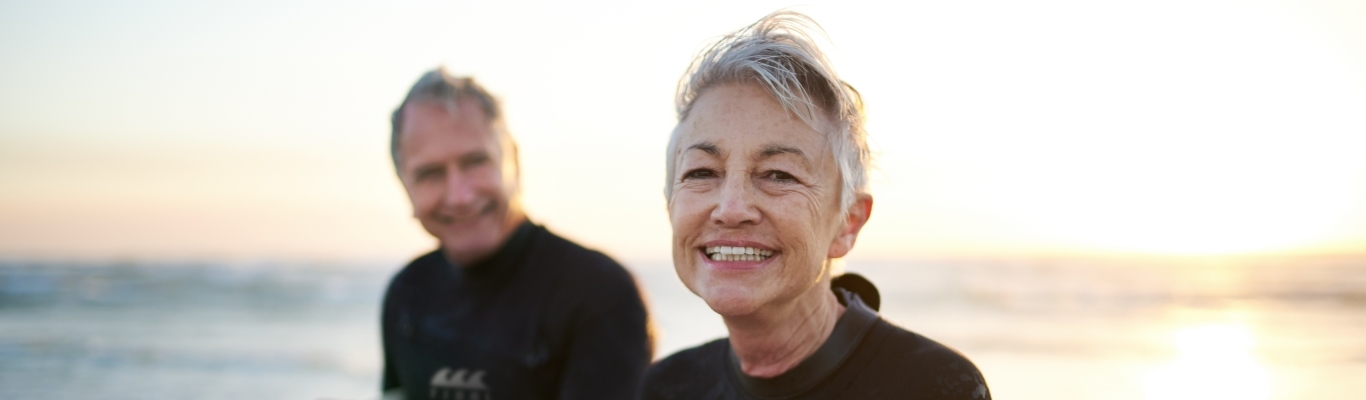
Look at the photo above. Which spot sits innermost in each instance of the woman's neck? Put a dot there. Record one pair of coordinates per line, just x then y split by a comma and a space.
773, 340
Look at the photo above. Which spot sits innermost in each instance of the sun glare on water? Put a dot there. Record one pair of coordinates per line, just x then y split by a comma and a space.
1213, 361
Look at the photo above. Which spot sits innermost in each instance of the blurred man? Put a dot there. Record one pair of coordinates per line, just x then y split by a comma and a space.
503, 309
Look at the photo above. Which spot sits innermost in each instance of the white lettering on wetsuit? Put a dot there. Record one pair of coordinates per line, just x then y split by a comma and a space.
459, 385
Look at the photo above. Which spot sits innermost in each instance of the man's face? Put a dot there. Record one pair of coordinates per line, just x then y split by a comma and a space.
460, 178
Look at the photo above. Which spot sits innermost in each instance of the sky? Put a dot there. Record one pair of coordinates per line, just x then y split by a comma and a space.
259, 130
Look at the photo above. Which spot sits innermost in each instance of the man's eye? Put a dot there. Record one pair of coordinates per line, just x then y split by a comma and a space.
429, 174
699, 173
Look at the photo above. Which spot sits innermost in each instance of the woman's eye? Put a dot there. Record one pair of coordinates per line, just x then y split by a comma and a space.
780, 176
699, 173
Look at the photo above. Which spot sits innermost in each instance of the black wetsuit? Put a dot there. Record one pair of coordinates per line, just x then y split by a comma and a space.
543, 318
865, 358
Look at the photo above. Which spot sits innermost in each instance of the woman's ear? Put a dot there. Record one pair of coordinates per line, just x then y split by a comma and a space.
854, 219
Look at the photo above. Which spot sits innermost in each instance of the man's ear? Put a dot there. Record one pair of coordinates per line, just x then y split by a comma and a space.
854, 219
407, 190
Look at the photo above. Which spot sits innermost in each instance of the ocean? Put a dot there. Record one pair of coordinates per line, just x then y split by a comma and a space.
1038, 328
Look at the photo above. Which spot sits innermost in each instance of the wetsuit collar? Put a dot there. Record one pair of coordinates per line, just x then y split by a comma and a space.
844, 338
503, 262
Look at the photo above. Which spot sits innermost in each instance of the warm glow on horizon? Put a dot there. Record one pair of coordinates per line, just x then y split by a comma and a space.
1214, 361
1055, 127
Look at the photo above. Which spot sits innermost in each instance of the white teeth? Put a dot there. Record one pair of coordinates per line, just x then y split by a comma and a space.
736, 253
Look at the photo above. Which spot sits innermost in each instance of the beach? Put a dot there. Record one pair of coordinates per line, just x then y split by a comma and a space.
1038, 328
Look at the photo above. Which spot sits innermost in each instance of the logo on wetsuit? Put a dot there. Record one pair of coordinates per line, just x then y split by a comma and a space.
459, 385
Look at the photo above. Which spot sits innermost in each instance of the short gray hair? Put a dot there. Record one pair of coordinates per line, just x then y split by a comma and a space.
778, 53
439, 85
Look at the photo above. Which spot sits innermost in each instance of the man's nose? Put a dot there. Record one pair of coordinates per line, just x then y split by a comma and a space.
736, 205
459, 192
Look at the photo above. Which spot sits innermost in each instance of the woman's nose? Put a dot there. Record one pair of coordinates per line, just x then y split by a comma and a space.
736, 205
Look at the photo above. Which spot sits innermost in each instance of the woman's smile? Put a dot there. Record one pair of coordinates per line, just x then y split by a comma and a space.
736, 254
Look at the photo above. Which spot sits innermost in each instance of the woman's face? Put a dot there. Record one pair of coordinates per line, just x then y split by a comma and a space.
755, 202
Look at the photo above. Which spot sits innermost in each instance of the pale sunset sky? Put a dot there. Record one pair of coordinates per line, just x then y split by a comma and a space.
259, 130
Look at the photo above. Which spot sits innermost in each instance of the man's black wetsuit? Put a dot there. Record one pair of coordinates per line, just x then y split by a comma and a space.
865, 358
543, 318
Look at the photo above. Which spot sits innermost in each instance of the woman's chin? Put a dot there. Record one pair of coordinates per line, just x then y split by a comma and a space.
732, 301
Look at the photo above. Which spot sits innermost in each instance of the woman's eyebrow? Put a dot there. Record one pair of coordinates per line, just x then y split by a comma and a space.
771, 150
708, 147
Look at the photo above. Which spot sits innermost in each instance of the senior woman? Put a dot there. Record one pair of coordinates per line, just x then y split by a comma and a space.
766, 187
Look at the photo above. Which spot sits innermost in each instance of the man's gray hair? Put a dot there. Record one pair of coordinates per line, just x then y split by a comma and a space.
778, 53
439, 85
